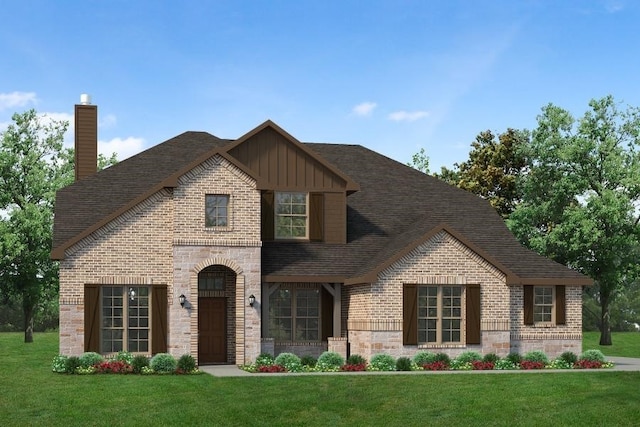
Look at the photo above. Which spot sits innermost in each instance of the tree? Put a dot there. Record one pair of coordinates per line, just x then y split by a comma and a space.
420, 161
32, 167
581, 196
493, 168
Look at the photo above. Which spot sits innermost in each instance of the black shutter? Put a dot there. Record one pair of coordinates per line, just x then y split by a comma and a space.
473, 314
159, 319
316, 216
267, 215
92, 318
528, 305
560, 306
410, 315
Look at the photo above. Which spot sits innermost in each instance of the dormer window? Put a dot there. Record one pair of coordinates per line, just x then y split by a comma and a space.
291, 219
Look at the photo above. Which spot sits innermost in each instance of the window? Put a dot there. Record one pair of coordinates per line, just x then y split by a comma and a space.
294, 314
216, 210
440, 314
291, 215
126, 319
544, 305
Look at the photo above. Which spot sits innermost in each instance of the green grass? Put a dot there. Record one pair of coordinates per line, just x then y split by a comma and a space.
624, 344
33, 395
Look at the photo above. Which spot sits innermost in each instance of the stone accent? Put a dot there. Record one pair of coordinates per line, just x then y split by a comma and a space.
267, 345
338, 345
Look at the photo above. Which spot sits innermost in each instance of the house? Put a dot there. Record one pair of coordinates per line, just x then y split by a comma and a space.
225, 249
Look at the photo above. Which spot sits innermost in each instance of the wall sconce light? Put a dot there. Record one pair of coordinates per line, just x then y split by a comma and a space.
132, 294
252, 300
182, 300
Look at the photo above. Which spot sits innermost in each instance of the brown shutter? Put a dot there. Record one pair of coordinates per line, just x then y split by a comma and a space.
316, 216
159, 319
473, 314
560, 306
267, 213
92, 318
410, 315
528, 305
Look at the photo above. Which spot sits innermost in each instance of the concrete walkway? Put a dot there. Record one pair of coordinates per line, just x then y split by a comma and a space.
620, 364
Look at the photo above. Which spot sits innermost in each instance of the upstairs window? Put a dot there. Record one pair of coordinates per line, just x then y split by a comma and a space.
216, 210
291, 220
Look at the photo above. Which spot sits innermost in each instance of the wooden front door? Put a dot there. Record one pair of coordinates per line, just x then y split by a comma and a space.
212, 325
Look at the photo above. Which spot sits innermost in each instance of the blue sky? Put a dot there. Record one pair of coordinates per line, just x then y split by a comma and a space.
395, 76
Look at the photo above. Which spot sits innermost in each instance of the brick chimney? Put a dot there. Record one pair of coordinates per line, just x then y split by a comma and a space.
86, 138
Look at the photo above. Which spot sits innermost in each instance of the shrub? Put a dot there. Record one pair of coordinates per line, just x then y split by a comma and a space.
460, 365
443, 357
71, 364
382, 362
505, 364
163, 363
59, 364
514, 358
186, 364
435, 366
356, 359
330, 361
529, 364
265, 359
113, 367
403, 364
536, 356
559, 363
479, 365
289, 361
422, 358
593, 356
469, 356
308, 361
90, 358
125, 356
491, 357
569, 357
138, 363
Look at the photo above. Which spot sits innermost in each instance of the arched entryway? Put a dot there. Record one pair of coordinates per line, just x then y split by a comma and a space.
216, 313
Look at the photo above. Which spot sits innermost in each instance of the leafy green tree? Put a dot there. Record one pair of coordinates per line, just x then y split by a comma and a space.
420, 161
32, 167
495, 163
581, 196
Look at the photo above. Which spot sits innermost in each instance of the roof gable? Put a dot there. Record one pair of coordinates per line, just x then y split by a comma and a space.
283, 163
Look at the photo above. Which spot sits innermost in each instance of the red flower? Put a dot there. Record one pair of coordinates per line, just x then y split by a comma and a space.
587, 364
435, 366
479, 365
526, 364
354, 368
272, 368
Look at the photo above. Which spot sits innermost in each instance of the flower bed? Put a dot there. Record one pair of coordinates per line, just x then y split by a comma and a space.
124, 363
426, 361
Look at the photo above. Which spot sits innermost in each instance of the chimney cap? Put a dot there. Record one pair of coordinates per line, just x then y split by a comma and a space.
85, 99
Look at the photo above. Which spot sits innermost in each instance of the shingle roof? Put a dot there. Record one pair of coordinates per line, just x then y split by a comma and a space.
396, 208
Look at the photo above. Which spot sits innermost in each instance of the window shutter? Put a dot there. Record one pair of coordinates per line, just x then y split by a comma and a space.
159, 319
560, 306
267, 214
92, 318
528, 305
316, 216
327, 314
410, 315
473, 314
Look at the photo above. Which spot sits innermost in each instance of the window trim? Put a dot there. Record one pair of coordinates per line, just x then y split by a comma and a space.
293, 288
125, 318
559, 315
552, 315
276, 215
440, 318
226, 227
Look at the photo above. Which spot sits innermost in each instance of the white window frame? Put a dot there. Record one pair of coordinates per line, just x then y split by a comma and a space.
278, 215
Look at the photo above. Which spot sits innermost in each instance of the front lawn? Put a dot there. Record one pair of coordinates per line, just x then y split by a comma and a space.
33, 395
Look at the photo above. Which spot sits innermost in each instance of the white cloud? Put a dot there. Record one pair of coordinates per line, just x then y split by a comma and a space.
364, 109
124, 148
613, 6
17, 99
407, 116
107, 121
